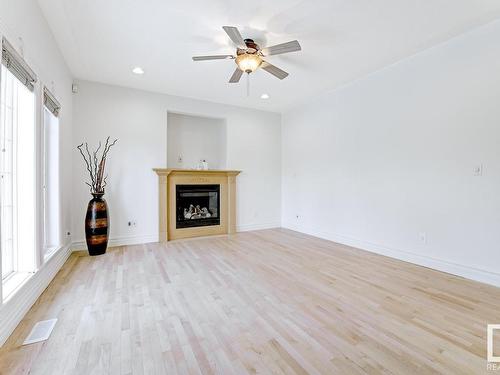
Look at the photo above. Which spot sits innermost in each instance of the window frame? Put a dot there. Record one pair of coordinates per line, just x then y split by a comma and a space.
46, 253
40, 259
1, 283
18, 276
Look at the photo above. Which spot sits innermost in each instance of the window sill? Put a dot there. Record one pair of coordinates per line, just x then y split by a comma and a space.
13, 283
50, 252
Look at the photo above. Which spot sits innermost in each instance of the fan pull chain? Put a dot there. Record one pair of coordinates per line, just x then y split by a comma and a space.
248, 84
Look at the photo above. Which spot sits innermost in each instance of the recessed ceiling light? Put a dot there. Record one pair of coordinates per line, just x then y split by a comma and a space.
264, 96
137, 70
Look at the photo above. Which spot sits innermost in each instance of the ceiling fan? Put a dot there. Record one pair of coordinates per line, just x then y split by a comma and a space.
249, 56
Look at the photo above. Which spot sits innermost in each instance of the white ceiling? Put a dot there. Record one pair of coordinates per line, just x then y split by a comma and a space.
342, 40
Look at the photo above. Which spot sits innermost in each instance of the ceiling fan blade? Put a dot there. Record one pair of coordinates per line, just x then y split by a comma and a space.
214, 57
282, 48
274, 70
235, 78
235, 36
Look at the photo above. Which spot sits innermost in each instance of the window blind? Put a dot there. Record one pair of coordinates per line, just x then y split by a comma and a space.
17, 66
50, 102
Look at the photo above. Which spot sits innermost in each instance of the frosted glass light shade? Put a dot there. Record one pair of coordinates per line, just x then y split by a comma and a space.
248, 62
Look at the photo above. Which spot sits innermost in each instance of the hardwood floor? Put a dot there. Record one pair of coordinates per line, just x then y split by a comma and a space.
265, 302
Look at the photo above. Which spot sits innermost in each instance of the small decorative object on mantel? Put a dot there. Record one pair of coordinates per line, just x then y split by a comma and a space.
202, 165
96, 221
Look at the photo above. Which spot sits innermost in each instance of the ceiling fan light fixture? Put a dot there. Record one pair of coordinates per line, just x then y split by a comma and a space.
249, 56
248, 62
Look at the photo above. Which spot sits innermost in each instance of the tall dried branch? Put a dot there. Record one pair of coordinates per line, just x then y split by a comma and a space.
95, 156
105, 182
92, 171
107, 147
88, 165
95, 167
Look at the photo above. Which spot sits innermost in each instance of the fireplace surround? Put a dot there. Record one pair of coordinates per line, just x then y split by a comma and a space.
196, 203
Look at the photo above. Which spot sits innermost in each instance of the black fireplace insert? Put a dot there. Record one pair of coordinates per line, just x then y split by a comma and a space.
197, 205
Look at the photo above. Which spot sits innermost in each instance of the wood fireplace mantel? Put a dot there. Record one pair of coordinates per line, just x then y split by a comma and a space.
168, 178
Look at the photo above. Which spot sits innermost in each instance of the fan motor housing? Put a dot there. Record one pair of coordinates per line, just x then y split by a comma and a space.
252, 47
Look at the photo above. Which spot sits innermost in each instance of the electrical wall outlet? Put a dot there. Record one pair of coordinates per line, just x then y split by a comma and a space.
132, 223
422, 236
478, 170
179, 159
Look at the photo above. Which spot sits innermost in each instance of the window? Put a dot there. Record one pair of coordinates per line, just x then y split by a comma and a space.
51, 210
17, 168
30, 220
17, 161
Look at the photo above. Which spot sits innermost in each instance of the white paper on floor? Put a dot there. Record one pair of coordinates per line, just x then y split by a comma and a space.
40, 331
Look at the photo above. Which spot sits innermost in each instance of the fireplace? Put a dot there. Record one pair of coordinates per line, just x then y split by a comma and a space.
197, 205
178, 189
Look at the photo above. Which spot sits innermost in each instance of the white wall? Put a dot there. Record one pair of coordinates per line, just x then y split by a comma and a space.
139, 120
24, 19
195, 138
389, 159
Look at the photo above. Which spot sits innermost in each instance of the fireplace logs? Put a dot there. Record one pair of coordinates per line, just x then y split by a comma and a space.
195, 212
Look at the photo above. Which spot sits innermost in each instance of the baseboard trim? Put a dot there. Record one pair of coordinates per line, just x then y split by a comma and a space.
249, 227
456, 269
14, 310
142, 239
119, 241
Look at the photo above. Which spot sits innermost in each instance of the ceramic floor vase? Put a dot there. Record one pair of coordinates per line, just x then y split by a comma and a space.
97, 225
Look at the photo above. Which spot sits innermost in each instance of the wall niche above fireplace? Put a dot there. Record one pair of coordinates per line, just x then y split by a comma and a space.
196, 203
191, 139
